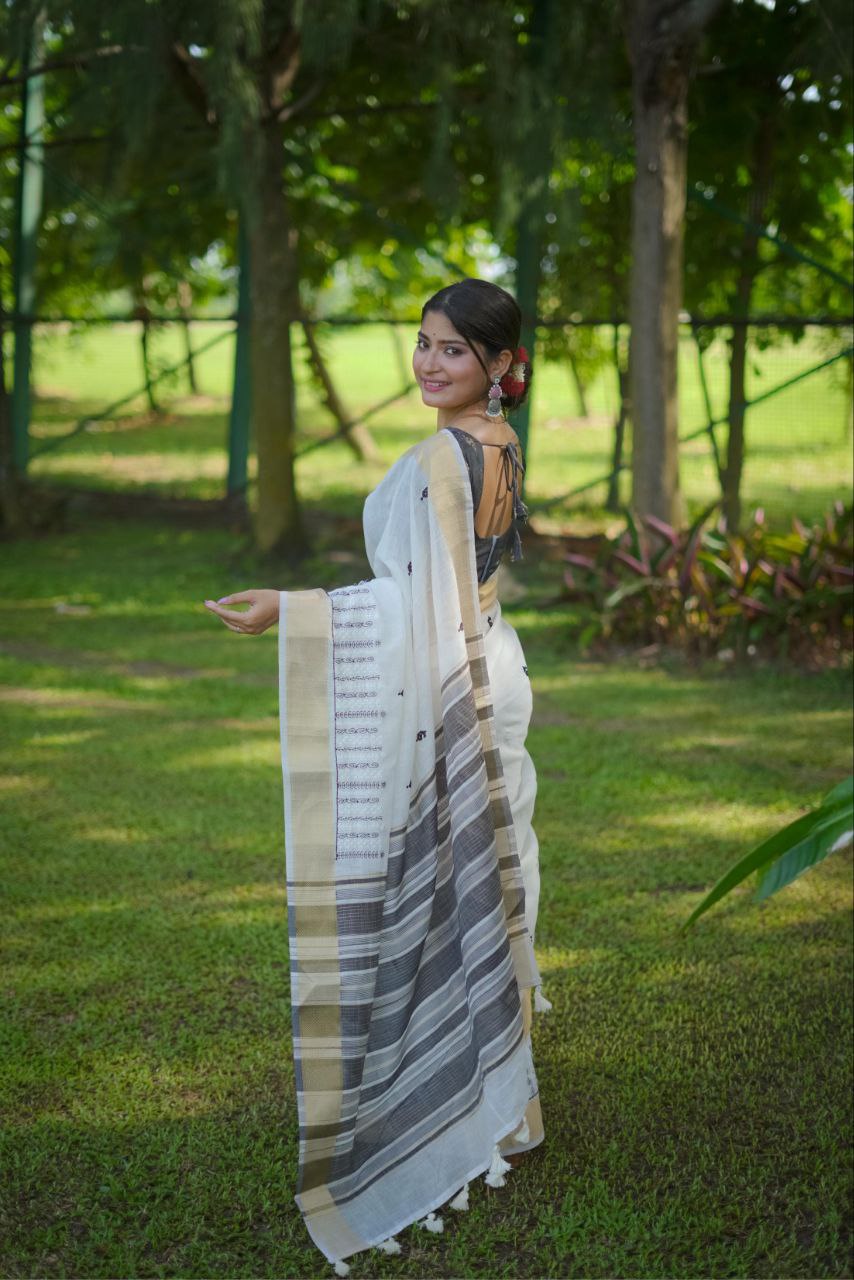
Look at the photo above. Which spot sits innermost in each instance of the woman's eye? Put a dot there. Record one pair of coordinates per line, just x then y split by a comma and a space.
454, 351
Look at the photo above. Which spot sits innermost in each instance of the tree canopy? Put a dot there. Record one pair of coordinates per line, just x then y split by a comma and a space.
372, 150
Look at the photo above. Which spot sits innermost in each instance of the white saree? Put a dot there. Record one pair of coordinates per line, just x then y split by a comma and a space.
411, 910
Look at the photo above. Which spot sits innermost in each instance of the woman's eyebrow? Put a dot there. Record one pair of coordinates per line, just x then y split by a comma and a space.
444, 342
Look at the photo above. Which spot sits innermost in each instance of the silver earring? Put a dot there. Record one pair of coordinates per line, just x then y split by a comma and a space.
493, 409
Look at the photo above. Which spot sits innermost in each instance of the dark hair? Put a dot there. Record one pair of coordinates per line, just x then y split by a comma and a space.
483, 312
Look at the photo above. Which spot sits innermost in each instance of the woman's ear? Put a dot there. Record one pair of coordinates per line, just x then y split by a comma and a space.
503, 363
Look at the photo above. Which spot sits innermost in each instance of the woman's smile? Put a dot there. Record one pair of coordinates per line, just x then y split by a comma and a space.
429, 385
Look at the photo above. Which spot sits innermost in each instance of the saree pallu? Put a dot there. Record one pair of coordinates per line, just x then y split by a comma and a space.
411, 940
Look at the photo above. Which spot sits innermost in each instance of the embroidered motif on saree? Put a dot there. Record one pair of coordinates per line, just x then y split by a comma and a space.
406, 904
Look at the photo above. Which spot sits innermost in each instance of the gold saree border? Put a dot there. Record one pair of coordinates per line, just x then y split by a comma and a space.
450, 495
305, 638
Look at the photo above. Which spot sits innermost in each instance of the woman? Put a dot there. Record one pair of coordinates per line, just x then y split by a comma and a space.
412, 866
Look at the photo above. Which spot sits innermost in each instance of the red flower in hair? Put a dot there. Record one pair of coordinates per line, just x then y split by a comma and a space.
511, 386
513, 382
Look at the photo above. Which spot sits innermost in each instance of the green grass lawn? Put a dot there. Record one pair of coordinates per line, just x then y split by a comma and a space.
695, 1088
799, 443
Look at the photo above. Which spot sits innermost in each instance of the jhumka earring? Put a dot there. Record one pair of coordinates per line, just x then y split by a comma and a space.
493, 409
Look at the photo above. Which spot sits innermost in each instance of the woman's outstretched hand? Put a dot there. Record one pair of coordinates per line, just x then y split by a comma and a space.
262, 613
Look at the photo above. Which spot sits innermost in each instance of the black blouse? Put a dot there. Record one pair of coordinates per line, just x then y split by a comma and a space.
488, 551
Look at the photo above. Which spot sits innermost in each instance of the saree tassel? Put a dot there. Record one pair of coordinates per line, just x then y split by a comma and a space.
497, 1170
541, 1004
432, 1223
342, 1269
391, 1245
461, 1199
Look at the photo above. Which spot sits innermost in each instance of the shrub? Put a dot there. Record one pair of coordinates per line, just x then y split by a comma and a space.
706, 590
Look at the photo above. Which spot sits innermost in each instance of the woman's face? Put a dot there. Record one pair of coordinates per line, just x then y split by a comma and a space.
446, 368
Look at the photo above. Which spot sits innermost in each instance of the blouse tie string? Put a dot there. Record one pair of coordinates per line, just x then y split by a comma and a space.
511, 465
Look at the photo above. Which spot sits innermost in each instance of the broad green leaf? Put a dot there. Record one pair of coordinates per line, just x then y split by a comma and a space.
715, 562
632, 588
806, 854
588, 634
840, 793
834, 812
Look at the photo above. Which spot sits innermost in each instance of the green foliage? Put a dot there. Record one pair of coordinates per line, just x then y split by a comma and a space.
787, 854
704, 588
406, 125
769, 152
133, 199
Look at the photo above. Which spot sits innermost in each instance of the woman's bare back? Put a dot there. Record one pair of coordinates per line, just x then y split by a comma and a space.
494, 515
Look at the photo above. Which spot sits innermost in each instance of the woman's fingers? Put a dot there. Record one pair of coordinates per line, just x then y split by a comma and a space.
234, 619
239, 597
234, 614
263, 611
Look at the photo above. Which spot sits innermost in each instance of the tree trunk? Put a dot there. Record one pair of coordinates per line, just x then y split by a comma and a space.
658, 208
185, 304
400, 355
536, 163
612, 502
731, 492
10, 501
146, 365
662, 37
143, 315
578, 383
763, 155
275, 304
356, 434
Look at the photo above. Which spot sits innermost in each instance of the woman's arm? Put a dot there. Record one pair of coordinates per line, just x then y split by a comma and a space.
262, 613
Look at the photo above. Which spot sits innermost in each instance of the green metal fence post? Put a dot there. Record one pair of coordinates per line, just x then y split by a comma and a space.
529, 232
241, 395
710, 415
27, 219
527, 290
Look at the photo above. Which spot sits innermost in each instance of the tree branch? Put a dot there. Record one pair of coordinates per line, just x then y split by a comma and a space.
71, 141
685, 20
10, 61
381, 108
183, 65
282, 65
288, 110
63, 64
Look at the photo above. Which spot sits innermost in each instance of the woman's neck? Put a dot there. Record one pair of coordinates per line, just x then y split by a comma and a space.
467, 417
474, 411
